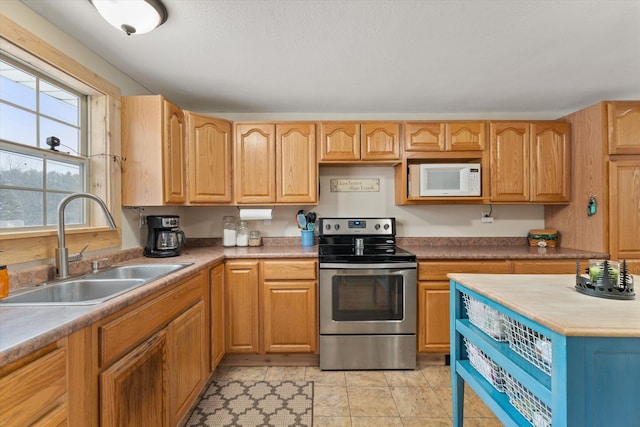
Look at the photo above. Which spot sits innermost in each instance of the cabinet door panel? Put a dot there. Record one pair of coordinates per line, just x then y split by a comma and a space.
438, 270
209, 159
188, 358
545, 267
217, 315
132, 391
255, 158
624, 127
290, 316
297, 170
173, 154
34, 390
510, 162
550, 162
433, 326
465, 136
380, 141
427, 136
339, 141
624, 212
241, 308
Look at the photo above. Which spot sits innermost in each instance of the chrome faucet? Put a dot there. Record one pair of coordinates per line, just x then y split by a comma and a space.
62, 254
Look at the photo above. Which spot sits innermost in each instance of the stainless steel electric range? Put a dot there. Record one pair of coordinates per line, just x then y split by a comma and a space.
368, 294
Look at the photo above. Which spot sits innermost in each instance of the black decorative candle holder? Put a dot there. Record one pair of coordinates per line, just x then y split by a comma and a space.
604, 286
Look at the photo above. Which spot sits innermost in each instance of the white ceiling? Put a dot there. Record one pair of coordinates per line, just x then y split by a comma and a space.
374, 56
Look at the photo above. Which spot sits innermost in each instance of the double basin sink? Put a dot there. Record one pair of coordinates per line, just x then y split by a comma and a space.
93, 288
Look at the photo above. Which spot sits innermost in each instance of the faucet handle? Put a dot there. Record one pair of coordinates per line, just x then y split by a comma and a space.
78, 256
95, 265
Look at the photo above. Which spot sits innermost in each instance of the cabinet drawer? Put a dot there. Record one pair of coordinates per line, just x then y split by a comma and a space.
438, 270
546, 267
121, 335
289, 270
36, 391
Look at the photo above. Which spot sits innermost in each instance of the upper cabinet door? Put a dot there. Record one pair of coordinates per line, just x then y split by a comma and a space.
209, 159
173, 154
255, 163
297, 169
380, 141
445, 136
424, 136
624, 127
550, 162
465, 136
509, 161
339, 141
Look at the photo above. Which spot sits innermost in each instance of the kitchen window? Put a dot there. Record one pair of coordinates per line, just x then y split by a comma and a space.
43, 148
74, 103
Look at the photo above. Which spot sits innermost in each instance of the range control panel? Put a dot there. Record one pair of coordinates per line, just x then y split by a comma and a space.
365, 226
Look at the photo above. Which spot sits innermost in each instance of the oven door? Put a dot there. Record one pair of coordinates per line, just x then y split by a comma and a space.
368, 298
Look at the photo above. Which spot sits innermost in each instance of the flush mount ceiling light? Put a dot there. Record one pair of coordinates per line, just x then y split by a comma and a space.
132, 16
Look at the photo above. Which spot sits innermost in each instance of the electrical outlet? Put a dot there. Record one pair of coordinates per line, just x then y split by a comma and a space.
486, 219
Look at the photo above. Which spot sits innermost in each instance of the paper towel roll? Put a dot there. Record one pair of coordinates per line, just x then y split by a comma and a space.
255, 214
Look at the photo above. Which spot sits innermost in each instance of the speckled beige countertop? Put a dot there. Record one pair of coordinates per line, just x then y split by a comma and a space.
25, 329
552, 301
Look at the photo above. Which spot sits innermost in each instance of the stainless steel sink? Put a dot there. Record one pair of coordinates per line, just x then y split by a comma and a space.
93, 288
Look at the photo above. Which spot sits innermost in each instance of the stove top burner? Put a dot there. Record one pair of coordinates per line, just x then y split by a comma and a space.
360, 240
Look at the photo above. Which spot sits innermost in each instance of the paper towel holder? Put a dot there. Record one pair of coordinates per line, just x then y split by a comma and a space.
260, 214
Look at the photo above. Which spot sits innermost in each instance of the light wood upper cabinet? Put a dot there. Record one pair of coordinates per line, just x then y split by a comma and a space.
153, 172
380, 141
297, 169
624, 127
550, 162
354, 141
276, 163
209, 159
445, 136
339, 141
255, 163
624, 209
530, 162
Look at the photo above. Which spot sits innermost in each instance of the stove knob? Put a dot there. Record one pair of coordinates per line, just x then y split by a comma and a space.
377, 227
386, 226
328, 227
337, 226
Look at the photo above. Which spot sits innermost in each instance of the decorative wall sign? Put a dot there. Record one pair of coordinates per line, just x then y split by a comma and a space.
355, 184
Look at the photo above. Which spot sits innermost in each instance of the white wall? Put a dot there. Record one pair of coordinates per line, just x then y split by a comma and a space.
424, 220
412, 221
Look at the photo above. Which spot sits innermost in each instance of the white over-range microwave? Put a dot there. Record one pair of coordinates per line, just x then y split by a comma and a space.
444, 179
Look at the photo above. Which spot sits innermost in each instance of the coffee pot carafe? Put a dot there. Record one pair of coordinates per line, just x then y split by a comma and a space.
164, 238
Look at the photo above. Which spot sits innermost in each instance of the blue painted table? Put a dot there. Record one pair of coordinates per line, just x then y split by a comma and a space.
568, 360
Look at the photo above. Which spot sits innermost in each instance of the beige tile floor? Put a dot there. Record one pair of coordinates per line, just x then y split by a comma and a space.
375, 398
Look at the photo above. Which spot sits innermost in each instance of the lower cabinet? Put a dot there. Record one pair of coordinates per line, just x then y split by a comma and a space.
33, 390
289, 301
433, 298
154, 358
132, 390
275, 314
216, 299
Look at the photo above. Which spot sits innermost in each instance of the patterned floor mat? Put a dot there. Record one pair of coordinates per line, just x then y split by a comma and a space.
255, 403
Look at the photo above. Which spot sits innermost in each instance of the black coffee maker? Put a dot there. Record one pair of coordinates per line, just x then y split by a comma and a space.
164, 238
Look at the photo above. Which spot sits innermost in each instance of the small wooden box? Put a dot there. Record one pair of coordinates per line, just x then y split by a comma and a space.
548, 238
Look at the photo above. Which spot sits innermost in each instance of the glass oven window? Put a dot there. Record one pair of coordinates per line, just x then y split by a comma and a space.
368, 297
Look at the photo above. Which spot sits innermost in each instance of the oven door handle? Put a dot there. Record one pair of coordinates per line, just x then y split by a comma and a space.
356, 266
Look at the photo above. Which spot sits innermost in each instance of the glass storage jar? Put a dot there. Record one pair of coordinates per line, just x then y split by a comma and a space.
254, 238
242, 236
229, 231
